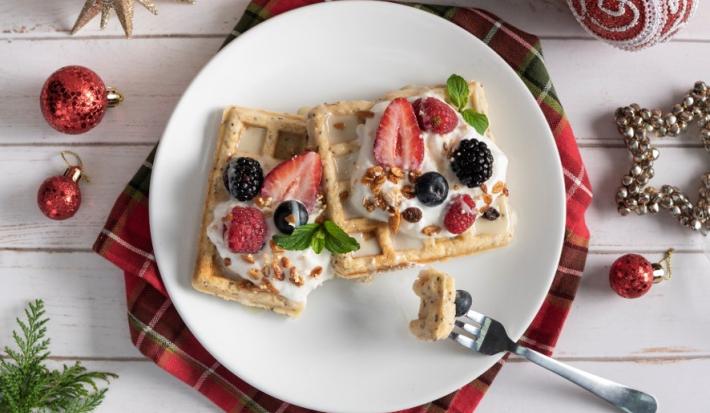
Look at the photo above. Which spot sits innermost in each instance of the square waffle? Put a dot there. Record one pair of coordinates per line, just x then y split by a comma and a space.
333, 127
270, 137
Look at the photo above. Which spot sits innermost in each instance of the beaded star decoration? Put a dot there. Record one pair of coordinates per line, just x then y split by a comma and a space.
123, 8
638, 125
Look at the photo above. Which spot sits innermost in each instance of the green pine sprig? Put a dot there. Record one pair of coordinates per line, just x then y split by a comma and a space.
28, 386
457, 91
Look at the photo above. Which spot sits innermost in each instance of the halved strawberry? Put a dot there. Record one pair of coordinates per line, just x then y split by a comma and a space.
297, 178
399, 140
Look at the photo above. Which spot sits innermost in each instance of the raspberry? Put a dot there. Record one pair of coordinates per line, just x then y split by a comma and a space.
472, 162
434, 115
245, 230
460, 215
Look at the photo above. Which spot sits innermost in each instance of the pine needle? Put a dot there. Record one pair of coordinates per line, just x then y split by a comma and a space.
27, 385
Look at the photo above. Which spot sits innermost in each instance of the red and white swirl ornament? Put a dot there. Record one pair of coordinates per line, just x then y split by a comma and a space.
633, 24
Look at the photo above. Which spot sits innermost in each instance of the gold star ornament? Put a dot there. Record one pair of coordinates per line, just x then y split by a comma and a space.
124, 11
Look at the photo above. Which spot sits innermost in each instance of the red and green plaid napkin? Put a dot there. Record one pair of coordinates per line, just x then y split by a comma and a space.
160, 334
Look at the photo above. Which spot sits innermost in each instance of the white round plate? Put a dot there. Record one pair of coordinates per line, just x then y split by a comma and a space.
351, 350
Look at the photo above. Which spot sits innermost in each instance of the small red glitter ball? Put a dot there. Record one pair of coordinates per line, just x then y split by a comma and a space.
631, 276
59, 197
73, 99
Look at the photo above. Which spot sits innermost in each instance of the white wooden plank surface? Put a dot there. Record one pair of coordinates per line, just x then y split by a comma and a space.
520, 387
593, 79
669, 322
152, 91
151, 73
83, 287
24, 167
679, 386
144, 387
84, 297
49, 19
643, 342
546, 18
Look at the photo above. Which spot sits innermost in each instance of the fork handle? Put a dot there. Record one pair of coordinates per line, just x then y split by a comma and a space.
625, 398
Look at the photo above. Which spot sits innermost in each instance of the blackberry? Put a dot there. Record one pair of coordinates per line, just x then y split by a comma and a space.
243, 178
472, 162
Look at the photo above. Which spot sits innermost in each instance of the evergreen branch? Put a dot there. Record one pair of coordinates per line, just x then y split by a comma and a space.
28, 386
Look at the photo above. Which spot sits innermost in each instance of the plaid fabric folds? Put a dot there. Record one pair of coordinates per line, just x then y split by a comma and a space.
159, 333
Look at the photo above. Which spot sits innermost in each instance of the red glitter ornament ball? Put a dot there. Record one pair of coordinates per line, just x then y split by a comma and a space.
73, 99
59, 197
631, 276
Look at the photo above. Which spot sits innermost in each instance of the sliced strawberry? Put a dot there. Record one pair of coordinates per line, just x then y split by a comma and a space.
461, 214
399, 140
297, 178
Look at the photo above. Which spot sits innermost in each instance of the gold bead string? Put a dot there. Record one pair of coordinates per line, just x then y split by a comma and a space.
666, 264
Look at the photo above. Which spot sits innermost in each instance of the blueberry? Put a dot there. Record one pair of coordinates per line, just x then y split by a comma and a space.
491, 214
289, 215
431, 189
463, 302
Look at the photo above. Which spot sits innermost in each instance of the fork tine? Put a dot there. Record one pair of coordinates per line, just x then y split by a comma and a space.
463, 340
473, 330
477, 317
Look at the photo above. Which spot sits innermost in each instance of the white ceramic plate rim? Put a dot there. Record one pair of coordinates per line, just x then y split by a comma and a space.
161, 173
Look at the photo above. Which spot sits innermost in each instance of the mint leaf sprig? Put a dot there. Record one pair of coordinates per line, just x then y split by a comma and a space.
457, 90
327, 235
28, 386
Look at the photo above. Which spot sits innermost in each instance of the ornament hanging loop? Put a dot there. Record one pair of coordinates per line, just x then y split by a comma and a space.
662, 269
75, 170
113, 96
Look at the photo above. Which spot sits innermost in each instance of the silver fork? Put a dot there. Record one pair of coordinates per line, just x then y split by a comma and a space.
489, 337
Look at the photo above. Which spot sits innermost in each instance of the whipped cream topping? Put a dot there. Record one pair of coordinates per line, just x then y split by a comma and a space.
304, 261
435, 159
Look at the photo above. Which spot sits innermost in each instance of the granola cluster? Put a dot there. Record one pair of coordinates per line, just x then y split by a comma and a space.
277, 266
498, 188
389, 201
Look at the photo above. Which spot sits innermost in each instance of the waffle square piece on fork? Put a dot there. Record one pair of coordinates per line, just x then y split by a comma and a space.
268, 138
401, 236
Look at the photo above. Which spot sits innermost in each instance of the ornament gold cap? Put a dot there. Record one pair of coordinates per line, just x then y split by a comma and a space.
659, 273
75, 170
113, 96
73, 173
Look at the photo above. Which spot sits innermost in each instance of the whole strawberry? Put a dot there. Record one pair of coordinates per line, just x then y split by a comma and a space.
245, 230
461, 215
435, 116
